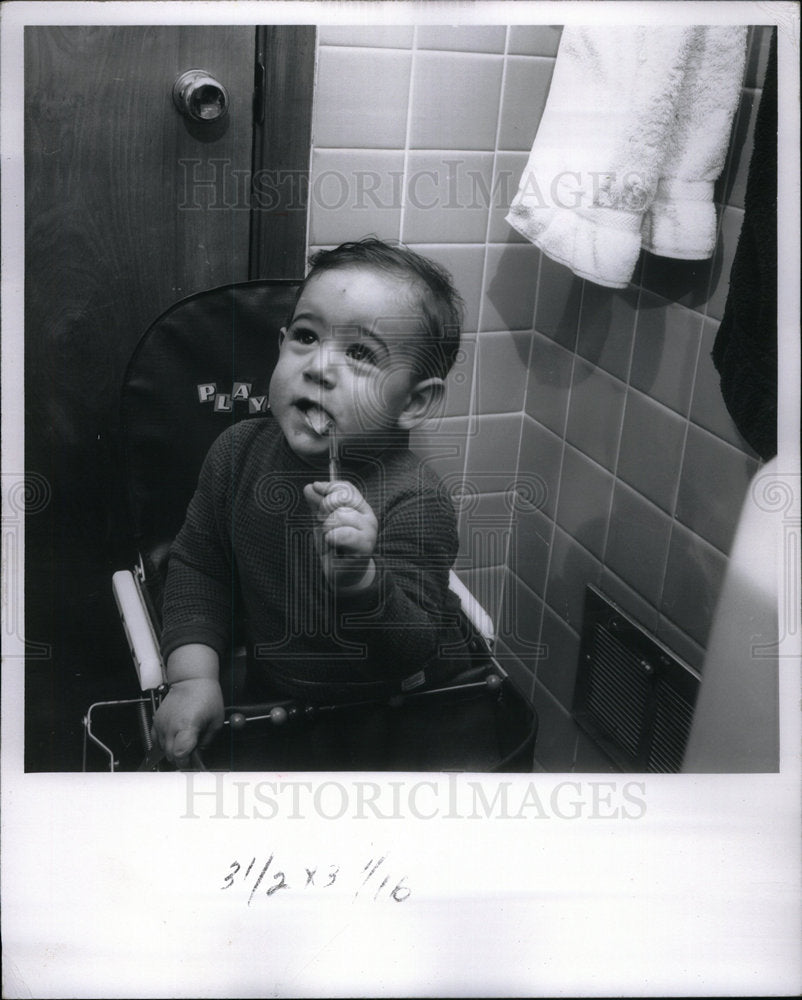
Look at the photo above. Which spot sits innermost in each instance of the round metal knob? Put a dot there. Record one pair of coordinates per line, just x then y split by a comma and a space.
199, 97
237, 720
278, 715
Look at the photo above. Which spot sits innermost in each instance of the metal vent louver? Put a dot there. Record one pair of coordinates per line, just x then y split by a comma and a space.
672, 726
632, 696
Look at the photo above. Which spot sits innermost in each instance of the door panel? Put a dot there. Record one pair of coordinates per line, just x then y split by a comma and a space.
282, 140
128, 208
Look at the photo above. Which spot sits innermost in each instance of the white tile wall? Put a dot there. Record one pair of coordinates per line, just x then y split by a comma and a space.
421, 134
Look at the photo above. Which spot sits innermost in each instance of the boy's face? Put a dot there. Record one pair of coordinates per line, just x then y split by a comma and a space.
347, 360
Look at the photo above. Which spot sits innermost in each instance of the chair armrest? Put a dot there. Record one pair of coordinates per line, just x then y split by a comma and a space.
138, 630
472, 609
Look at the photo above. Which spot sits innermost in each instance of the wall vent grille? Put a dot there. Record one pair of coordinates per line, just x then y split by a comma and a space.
633, 696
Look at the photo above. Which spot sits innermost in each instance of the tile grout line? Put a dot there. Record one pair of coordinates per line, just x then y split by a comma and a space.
473, 408
680, 467
524, 417
480, 315
408, 130
414, 62
628, 389
499, 119
563, 439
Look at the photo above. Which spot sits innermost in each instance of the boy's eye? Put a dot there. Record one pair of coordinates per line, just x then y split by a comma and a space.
361, 352
302, 335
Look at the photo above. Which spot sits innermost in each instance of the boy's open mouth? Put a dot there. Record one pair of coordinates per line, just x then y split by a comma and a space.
316, 417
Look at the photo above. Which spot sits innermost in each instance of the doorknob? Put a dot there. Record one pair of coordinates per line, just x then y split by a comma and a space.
199, 97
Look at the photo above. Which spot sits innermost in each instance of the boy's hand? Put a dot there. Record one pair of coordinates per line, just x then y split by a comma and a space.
188, 717
346, 532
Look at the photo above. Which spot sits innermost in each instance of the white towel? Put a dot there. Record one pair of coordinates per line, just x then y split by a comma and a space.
633, 136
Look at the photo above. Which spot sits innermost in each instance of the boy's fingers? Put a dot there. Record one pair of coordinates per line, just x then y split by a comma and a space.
344, 538
344, 495
185, 742
312, 495
317, 491
209, 734
342, 517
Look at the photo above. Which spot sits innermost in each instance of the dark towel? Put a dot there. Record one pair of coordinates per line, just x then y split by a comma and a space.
745, 349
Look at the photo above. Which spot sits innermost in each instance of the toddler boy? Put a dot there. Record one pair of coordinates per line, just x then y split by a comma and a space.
318, 524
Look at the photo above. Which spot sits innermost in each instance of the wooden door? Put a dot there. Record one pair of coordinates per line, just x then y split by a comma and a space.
129, 207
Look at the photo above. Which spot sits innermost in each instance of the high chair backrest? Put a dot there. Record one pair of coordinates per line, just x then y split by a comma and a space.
202, 365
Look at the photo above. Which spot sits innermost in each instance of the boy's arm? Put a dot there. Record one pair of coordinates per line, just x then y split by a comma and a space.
192, 712
192, 662
196, 617
198, 589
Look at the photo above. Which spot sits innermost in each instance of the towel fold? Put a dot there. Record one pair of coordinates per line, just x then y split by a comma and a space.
633, 136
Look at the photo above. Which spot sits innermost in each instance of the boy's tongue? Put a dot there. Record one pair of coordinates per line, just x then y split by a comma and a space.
318, 420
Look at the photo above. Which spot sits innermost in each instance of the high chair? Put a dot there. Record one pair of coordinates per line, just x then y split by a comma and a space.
203, 364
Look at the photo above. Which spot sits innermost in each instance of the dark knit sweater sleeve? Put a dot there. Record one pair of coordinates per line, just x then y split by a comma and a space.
408, 613
199, 587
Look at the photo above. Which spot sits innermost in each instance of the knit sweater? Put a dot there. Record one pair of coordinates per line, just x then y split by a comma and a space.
247, 546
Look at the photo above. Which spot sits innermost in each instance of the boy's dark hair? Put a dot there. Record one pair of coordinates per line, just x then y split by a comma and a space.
440, 302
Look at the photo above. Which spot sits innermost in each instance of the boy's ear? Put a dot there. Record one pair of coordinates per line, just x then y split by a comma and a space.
424, 398
281, 335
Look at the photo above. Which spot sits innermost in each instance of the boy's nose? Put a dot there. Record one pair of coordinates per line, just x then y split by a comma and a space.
322, 367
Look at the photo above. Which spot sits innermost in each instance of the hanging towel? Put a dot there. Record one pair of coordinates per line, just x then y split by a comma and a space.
745, 349
633, 136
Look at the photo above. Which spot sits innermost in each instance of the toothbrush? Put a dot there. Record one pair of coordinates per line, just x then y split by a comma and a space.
334, 464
